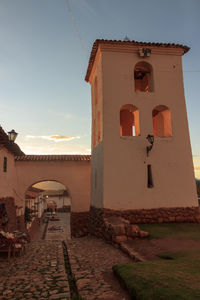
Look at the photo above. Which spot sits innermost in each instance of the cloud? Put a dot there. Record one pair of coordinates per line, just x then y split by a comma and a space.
196, 159
56, 149
56, 137
63, 115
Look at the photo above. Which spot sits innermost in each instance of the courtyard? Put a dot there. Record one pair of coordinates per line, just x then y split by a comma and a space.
42, 272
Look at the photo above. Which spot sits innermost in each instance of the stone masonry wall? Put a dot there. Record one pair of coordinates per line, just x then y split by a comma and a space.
79, 223
11, 212
118, 226
158, 215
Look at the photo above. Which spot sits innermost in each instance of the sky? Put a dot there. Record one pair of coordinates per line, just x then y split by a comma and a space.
49, 185
44, 51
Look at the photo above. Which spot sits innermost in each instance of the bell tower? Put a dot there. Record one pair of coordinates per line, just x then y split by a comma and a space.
141, 155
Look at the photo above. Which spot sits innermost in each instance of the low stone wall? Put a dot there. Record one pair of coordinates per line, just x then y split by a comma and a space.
156, 215
79, 223
11, 212
118, 226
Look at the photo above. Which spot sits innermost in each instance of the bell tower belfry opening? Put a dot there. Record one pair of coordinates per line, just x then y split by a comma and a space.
137, 91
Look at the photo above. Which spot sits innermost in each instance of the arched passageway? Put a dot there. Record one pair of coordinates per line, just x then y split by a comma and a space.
46, 202
72, 171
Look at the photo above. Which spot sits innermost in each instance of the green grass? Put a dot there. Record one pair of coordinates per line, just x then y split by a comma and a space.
175, 277
172, 230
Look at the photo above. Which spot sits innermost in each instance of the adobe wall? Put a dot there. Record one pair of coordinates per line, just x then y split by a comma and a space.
8, 179
9, 194
124, 158
75, 176
59, 200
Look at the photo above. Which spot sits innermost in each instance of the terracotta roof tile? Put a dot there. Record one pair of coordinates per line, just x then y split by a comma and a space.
53, 158
133, 43
10, 146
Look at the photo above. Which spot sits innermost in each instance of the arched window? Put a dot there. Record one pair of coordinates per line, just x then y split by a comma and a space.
143, 77
162, 121
129, 121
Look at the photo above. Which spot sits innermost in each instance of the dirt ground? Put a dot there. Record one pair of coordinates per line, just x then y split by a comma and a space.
149, 249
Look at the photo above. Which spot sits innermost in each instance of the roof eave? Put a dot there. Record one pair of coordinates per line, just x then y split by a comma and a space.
128, 43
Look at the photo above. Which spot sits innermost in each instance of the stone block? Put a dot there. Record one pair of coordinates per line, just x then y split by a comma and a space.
119, 229
143, 234
172, 219
197, 219
180, 219
120, 238
132, 230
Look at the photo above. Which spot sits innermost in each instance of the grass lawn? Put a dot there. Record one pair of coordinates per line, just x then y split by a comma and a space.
172, 230
175, 276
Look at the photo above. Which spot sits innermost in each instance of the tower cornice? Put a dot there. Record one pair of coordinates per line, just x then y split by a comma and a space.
132, 47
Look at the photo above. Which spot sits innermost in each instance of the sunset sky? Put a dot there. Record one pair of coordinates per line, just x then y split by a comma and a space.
44, 51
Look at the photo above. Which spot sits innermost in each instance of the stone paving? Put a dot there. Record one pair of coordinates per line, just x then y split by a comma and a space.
39, 274
91, 262
64, 223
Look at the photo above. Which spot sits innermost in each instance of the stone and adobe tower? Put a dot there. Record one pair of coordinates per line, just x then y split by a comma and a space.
137, 90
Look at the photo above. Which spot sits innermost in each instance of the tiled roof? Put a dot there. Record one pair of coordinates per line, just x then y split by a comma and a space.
133, 43
10, 146
53, 158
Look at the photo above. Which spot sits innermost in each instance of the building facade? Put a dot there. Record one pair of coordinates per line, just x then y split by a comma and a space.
137, 91
141, 164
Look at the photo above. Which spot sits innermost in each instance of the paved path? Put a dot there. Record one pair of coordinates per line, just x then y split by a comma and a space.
91, 261
64, 223
40, 273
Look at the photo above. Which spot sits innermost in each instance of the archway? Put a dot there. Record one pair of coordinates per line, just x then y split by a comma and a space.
46, 200
143, 77
129, 120
162, 125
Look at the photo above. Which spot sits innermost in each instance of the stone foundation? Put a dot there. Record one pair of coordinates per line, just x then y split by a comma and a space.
11, 212
118, 226
79, 223
155, 215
